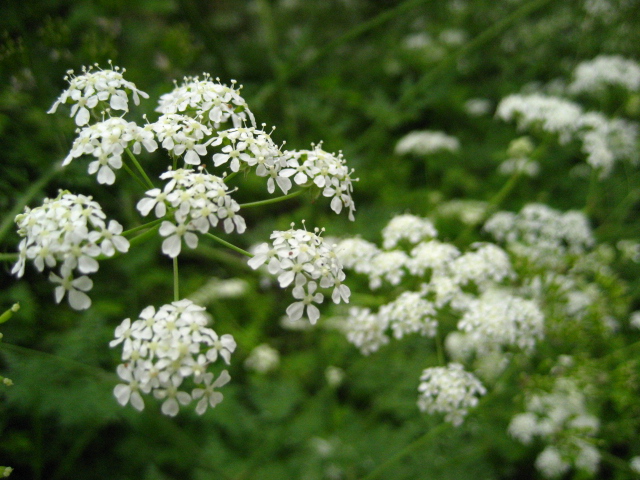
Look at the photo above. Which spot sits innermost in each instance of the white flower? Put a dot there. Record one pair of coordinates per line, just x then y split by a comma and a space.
450, 390
297, 257
86, 91
182, 136
106, 141
550, 463
409, 313
165, 350
409, 227
297, 309
497, 318
216, 103
210, 397
262, 359
197, 201
365, 330
69, 231
426, 142
327, 171
604, 71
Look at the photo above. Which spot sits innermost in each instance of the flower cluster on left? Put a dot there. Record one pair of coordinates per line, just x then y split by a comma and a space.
168, 352
69, 231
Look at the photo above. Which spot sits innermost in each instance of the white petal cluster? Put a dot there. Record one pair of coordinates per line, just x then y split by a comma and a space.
69, 231
409, 227
604, 141
263, 359
168, 353
605, 71
327, 171
498, 318
365, 330
432, 255
409, 313
541, 233
97, 87
305, 260
197, 201
427, 142
106, 141
469, 212
356, 253
215, 102
182, 136
561, 420
450, 390
251, 147
388, 266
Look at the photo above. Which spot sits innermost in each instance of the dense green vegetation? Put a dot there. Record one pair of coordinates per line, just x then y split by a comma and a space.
358, 76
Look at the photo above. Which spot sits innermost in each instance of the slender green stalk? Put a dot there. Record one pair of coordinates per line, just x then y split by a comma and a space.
150, 224
295, 70
9, 312
135, 177
230, 176
140, 169
439, 348
73, 364
229, 245
35, 188
493, 203
143, 237
271, 200
176, 280
592, 194
8, 257
433, 433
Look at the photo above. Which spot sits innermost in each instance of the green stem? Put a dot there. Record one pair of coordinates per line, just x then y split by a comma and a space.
9, 312
35, 188
294, 70
150, 224
176, 280
592, 194
8, 257
230, 176
135, 177
439, 349
433, 433
140, 169
271, 200
73, 364
229, 245
143, 237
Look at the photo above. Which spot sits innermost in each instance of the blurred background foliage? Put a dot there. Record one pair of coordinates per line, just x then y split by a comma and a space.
355, 74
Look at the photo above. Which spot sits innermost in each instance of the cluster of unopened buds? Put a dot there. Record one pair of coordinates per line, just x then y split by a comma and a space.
199, 118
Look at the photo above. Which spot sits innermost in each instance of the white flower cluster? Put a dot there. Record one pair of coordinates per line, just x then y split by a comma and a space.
604, 141
366, 330
469, 212
305, 260
248, 147
542, 234
88, 90
450, 390
426, 142
463, 282
162, 349
328, 172
560, 418
181, 135
498, 318
107, 141
69, 230
605, 71
262, 359
410, 227
197, 202
409, 313
216, 103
